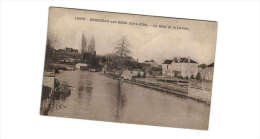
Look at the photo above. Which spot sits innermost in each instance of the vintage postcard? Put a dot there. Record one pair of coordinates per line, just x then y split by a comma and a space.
128, 68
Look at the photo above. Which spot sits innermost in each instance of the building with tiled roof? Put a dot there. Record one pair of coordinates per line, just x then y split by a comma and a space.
180, 67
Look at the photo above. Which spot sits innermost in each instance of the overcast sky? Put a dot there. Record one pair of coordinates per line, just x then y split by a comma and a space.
146, 42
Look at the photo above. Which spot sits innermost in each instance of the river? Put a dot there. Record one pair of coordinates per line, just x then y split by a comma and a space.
97, 97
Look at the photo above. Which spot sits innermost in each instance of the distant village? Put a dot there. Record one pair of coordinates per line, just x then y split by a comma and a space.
122, 64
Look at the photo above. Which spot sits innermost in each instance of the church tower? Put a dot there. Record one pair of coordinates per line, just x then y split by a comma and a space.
83, 48
91, 46
83, 44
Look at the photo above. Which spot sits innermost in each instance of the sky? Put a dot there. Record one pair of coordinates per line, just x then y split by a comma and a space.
197, 40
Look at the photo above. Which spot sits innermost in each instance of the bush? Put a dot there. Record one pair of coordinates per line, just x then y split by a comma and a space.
198, 77
138, 75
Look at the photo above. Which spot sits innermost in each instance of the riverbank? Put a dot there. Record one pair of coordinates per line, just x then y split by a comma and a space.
189, 90
52, 90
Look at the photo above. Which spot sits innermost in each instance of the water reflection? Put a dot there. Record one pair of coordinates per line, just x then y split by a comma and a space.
98, 97
121, 100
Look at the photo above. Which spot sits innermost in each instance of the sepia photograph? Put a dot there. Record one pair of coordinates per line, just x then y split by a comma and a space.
128, 68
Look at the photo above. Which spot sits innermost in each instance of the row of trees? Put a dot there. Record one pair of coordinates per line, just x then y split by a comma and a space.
49, 56
120, 59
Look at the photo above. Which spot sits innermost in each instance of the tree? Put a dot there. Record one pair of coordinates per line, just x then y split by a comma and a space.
49, 56
198, 77
203, 66
122, 47
49, 50
122, 52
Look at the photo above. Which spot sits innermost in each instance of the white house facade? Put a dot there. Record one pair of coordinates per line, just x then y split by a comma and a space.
180, 67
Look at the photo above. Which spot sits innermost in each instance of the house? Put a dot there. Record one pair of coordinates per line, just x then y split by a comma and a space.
151, 68
60, 51
180, 67
152, 63
126, 75
71, 51
81, 66
137, 73
48, 79
206, 72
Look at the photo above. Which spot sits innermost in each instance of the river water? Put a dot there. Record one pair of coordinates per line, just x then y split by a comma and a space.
97, 97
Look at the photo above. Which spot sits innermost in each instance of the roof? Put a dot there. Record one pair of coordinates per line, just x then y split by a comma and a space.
179, 60
211, 65
184, 60
149, 60
167, 61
